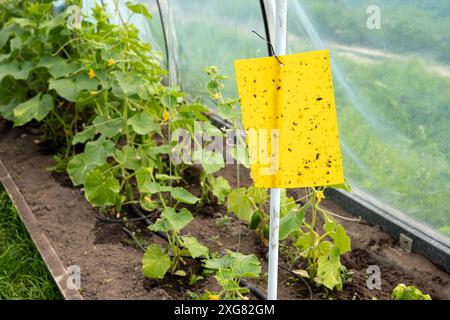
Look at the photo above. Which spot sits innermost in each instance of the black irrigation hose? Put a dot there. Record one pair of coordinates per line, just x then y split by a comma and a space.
256, 291
142, 217
301, 278
114, 220
131, 234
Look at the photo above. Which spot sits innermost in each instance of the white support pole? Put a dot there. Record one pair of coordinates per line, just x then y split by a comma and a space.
273, 243
280, 27
280, 49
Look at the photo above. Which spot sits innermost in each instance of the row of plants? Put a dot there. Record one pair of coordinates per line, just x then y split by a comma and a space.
101, 98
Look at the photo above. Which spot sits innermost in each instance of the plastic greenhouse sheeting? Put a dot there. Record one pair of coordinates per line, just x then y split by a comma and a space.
391, 70
392, 87
214, 33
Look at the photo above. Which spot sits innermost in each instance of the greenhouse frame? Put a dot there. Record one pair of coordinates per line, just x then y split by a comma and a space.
390, 67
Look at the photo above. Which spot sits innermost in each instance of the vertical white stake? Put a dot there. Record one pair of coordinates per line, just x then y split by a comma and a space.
280, 49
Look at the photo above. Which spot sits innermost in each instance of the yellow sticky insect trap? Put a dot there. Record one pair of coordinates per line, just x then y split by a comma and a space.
290, 120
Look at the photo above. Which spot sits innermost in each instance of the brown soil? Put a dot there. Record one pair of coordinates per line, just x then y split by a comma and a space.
111, 265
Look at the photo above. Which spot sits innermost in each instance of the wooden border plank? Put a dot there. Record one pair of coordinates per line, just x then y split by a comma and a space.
46, 250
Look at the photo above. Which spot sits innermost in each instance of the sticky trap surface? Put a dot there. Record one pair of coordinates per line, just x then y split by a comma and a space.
293, 105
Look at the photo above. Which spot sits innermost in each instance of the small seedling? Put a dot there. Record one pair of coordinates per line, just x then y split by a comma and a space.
230, 269
156, 260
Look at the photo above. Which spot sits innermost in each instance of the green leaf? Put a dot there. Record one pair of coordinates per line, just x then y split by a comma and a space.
143, 123
23, 23
97, 152
287, 203
304, 241
139, 9
220, 188
219, 263
16, 71
16, 44
170, 220
144, 179
239, 203
7, 110
36, 108
195, 248
69, 89
211, 130
78, 169
83, 136
100, 189
238, 264
182, 195
345, 186
169, 101
58, 67
146, 184
12, 93
403, 292
4, 36
211, 161
240, 152
129, 157
155, 151
108, 127
225, 279
4, 56
338, 234
291, 223
126, 84
155, 262
225, 111
197, 109
245, 265
329, 269
259, 195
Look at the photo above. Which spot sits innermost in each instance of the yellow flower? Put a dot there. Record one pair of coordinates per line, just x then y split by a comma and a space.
91, 73
111, 62
320, 196
215, 96
166, 116
213, 297
93, 93
147, 199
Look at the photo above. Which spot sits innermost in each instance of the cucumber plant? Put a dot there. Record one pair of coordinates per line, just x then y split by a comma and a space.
322, 247
30, 63
96, 88
157, 261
